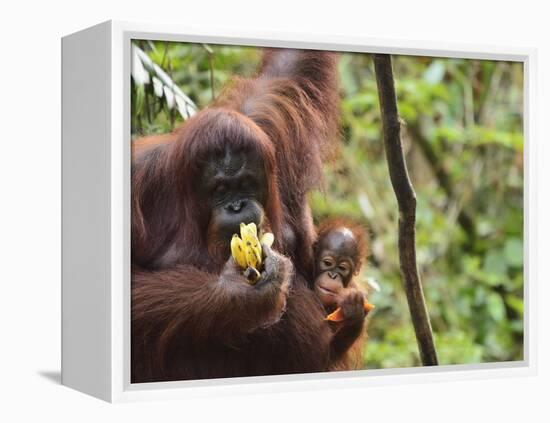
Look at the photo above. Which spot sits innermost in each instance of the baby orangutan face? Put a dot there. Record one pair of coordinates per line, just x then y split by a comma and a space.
336, 263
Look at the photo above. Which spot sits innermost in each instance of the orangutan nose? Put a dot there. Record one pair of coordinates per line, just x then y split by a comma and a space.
332, 275
236, 206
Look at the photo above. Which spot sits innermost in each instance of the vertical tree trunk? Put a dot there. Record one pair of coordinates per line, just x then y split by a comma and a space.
406, 199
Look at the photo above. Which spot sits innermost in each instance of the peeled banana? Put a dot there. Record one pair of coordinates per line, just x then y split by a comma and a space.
237, 251
247, 250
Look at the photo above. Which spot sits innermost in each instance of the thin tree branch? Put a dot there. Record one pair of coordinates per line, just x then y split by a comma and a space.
406, 199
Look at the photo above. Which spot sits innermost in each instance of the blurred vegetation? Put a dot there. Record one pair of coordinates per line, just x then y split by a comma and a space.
463, 139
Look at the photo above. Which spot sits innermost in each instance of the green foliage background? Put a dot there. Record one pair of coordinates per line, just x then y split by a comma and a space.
463, 138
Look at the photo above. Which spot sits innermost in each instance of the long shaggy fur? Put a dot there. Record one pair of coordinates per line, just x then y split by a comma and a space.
184, 326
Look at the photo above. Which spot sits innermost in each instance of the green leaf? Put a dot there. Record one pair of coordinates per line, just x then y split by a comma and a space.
513, 250
435, 72
495, 306
495, 263
139, 99
516, 303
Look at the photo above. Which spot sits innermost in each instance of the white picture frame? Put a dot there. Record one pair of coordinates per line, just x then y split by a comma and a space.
96, 213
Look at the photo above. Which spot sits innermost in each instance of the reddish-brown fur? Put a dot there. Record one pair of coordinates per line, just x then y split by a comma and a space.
348, 340
189, 321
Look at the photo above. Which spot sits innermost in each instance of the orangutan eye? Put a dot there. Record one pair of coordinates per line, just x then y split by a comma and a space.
220, 189
328, 262
343, 268
246, 185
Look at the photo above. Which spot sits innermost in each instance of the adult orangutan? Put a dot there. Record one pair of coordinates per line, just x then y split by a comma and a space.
252, 156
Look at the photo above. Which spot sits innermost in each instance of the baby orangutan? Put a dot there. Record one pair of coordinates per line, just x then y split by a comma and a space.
339, 252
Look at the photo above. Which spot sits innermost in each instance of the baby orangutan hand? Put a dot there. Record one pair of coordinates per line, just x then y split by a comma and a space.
352, 307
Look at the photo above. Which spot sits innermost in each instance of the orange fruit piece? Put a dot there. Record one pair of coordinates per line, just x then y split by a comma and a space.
338, 315
368, 307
